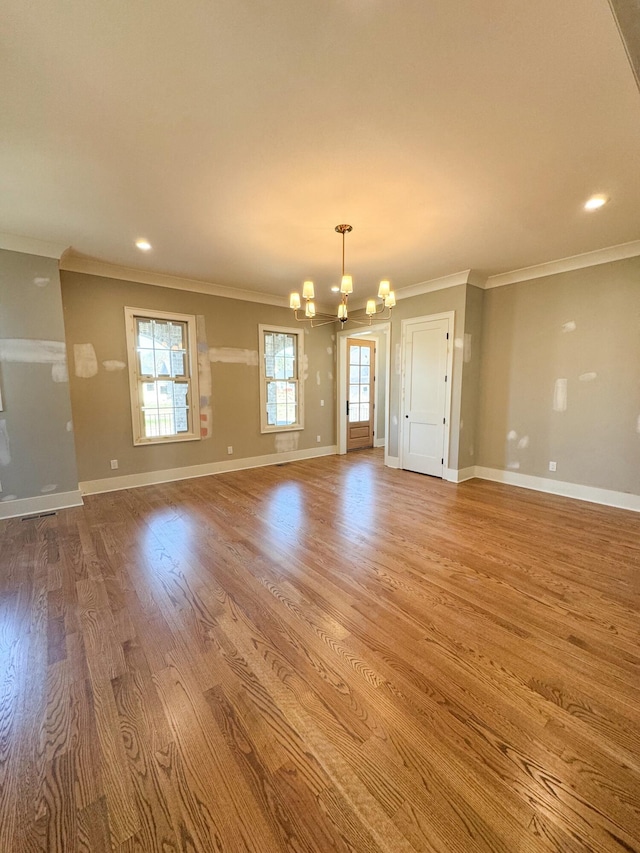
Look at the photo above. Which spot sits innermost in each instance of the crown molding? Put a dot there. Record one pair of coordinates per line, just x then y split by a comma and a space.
29, 246
76, 263
453, 280
575, 262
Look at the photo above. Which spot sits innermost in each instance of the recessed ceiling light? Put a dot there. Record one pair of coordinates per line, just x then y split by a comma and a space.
595, 202
335, 289
143, 245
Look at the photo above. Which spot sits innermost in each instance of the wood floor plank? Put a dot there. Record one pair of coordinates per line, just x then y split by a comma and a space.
326, 655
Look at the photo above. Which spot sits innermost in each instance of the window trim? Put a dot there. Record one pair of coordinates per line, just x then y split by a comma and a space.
139, 439
285, 330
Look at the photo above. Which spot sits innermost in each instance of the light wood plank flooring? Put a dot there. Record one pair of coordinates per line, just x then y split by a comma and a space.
321, 656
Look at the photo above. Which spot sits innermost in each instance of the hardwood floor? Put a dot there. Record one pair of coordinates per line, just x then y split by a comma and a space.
321, 656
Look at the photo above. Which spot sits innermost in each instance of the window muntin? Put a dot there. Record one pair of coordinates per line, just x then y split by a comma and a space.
280, 387
163, 387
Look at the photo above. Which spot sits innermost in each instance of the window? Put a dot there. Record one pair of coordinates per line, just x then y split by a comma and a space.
162, 376
281, 398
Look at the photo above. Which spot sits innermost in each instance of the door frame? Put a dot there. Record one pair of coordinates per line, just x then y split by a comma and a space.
341, 362
444, 315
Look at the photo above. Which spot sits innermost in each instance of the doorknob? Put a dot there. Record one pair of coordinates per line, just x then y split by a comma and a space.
406, 416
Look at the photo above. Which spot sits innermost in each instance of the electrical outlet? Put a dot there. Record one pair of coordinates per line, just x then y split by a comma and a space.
552, 466
318, 438
322, 402
114, 464
229, 450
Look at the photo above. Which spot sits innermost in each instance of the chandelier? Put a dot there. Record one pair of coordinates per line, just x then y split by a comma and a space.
381, 310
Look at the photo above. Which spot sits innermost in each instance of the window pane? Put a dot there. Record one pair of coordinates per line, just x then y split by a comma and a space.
354, 375
354, 355
269, 366
180, 392
151, 428
268, 343
365, 355
165, 394
146, 363
354, 413
364, 374
149, 397
364, 393
364, 411
289, 346
279, 367
182, 420
144, 333
163, 363
178, 361
354, 394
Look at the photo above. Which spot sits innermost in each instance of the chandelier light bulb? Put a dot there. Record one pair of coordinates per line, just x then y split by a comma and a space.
371, 307
294, 301
347, 284
307, 290
384, 289
310, 309
390, 300
342, 311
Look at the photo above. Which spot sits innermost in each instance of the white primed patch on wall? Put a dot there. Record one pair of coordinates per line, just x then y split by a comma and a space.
304, 368
69, 426
587, 377
32, 352
5, 450
41, 281
570, 326
560, 396
512, 435
59, 372
112, 364
523, 442
287, 441
204, 379
513, 465
466, 357
329, 376
50, 487
458, 343
86, 363
394, 419
234, 355
329, 350
317, 377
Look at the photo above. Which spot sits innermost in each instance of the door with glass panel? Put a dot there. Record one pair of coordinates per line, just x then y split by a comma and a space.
360, 397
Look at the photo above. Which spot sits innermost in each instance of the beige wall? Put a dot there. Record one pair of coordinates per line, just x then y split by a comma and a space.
94, 314
582, 327
37, 456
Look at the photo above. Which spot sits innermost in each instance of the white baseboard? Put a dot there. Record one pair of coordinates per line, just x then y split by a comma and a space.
392, 462
151, 478
378, 442
459, 475
42, 503
607, 497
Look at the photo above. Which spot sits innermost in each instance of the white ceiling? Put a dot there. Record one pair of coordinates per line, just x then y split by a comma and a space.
235, 134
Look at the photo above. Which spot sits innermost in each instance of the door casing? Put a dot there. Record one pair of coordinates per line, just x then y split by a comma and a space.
445, 315
341, 361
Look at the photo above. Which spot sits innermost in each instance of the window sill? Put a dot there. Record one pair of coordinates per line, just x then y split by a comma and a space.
162, 439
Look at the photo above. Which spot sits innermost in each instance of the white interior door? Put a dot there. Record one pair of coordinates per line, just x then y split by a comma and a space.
426, 346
